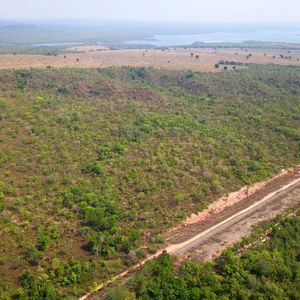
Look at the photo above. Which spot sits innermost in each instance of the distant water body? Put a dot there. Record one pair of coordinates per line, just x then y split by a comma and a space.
57, 44
169, 40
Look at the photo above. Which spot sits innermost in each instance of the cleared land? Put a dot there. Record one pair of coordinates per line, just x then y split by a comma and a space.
178, 59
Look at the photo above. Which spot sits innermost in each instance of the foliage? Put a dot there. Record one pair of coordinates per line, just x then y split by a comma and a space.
120, 293
69, 273
36, 287
267, 270
21, 78
108, 159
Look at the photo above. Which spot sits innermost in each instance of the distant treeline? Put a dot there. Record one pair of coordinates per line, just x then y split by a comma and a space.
249, 45
230, 63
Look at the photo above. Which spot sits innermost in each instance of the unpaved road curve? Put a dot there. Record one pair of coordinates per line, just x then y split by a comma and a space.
196, 240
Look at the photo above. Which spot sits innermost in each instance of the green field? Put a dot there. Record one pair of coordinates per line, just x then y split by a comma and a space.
95, 164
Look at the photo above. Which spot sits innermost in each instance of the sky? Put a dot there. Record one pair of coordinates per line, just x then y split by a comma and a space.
155, 10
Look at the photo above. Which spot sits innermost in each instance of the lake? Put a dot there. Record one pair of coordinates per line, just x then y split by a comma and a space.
287, 36
57, 44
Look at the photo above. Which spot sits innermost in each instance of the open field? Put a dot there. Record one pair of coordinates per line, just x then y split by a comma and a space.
178, 59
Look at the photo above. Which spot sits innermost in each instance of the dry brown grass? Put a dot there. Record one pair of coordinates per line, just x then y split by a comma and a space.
87, 48
169, 59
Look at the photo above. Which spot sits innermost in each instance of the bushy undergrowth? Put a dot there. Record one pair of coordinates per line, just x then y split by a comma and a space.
96, 163
268, 270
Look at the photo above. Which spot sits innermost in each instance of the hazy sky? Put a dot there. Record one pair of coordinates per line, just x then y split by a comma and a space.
156, 10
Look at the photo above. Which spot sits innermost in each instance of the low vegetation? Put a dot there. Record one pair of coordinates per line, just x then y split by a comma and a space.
230, 63
96, 164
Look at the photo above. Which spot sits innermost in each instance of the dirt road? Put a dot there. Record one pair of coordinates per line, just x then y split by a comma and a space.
217, 243
273, 198
205, 235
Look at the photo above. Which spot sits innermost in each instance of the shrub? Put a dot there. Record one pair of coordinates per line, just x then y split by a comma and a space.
120, 293
43, 242
71, 272
37, 287
96, 168
34, 255
100, 218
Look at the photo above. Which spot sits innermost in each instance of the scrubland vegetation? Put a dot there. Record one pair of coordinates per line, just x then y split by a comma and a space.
251, 270
95, 164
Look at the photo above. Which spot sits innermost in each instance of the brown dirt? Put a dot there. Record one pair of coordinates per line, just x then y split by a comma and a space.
214, 246
170, 59
230, 200
87, 48
6, 83
186, 231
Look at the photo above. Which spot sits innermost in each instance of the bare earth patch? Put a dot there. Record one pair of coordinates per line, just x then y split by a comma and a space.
231, 199
213, 247
229, 205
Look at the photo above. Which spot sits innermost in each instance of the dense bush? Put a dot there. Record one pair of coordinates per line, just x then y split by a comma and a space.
69, 273
268, 270
36, 287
